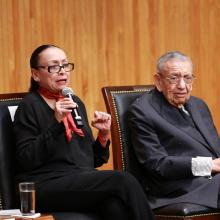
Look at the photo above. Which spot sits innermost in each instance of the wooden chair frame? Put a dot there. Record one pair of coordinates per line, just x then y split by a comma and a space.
108, 94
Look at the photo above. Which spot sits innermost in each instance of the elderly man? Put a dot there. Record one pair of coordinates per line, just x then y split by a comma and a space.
175, 139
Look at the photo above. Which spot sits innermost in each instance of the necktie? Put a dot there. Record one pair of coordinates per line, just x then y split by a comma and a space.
68, 122
186, 115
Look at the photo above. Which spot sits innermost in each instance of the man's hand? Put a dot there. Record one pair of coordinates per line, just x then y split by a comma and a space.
216, 165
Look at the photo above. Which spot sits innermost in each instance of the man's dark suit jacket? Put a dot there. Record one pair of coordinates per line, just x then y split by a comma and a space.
165, 143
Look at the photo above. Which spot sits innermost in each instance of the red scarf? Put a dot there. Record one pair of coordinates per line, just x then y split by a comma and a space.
68, 122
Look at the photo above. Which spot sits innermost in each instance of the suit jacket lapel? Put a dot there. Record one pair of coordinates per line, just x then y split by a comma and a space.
199, 121
173, 116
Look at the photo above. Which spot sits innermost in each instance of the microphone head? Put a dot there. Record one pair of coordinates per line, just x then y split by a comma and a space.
66, 91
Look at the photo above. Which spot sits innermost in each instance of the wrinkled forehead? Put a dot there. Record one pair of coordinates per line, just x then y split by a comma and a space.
52, 54
177, 66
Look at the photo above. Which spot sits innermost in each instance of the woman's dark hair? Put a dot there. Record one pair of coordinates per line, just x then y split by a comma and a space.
34, 63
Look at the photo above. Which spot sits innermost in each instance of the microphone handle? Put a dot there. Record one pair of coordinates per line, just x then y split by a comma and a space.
76, 117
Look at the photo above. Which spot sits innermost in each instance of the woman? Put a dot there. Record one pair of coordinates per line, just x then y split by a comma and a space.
61, 158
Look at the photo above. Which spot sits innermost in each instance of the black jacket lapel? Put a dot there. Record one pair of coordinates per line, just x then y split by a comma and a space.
199, 122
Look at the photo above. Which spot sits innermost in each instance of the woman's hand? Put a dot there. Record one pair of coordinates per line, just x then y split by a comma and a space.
62, 107
102, 121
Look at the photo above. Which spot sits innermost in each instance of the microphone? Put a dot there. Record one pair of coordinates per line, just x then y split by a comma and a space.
68, 92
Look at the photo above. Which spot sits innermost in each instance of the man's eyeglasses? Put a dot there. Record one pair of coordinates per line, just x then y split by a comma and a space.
176, 79
57, 68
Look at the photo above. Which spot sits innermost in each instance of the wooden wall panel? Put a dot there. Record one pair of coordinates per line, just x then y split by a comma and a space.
112, 42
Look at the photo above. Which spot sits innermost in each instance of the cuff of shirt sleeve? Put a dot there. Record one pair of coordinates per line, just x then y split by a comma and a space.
202, 166
103, 139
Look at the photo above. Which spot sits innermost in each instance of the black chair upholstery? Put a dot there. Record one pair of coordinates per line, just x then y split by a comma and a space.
117, 100
7, 156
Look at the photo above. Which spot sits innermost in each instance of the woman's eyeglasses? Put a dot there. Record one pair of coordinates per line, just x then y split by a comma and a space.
57, 68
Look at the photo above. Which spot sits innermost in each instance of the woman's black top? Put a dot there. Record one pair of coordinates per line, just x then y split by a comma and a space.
42, 150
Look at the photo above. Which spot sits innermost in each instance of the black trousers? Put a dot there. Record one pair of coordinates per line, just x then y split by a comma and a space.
112, 194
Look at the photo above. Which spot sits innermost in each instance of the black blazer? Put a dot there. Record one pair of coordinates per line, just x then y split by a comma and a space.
165, 143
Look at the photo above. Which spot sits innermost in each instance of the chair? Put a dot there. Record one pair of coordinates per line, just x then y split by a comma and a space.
8, 103
117, 100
